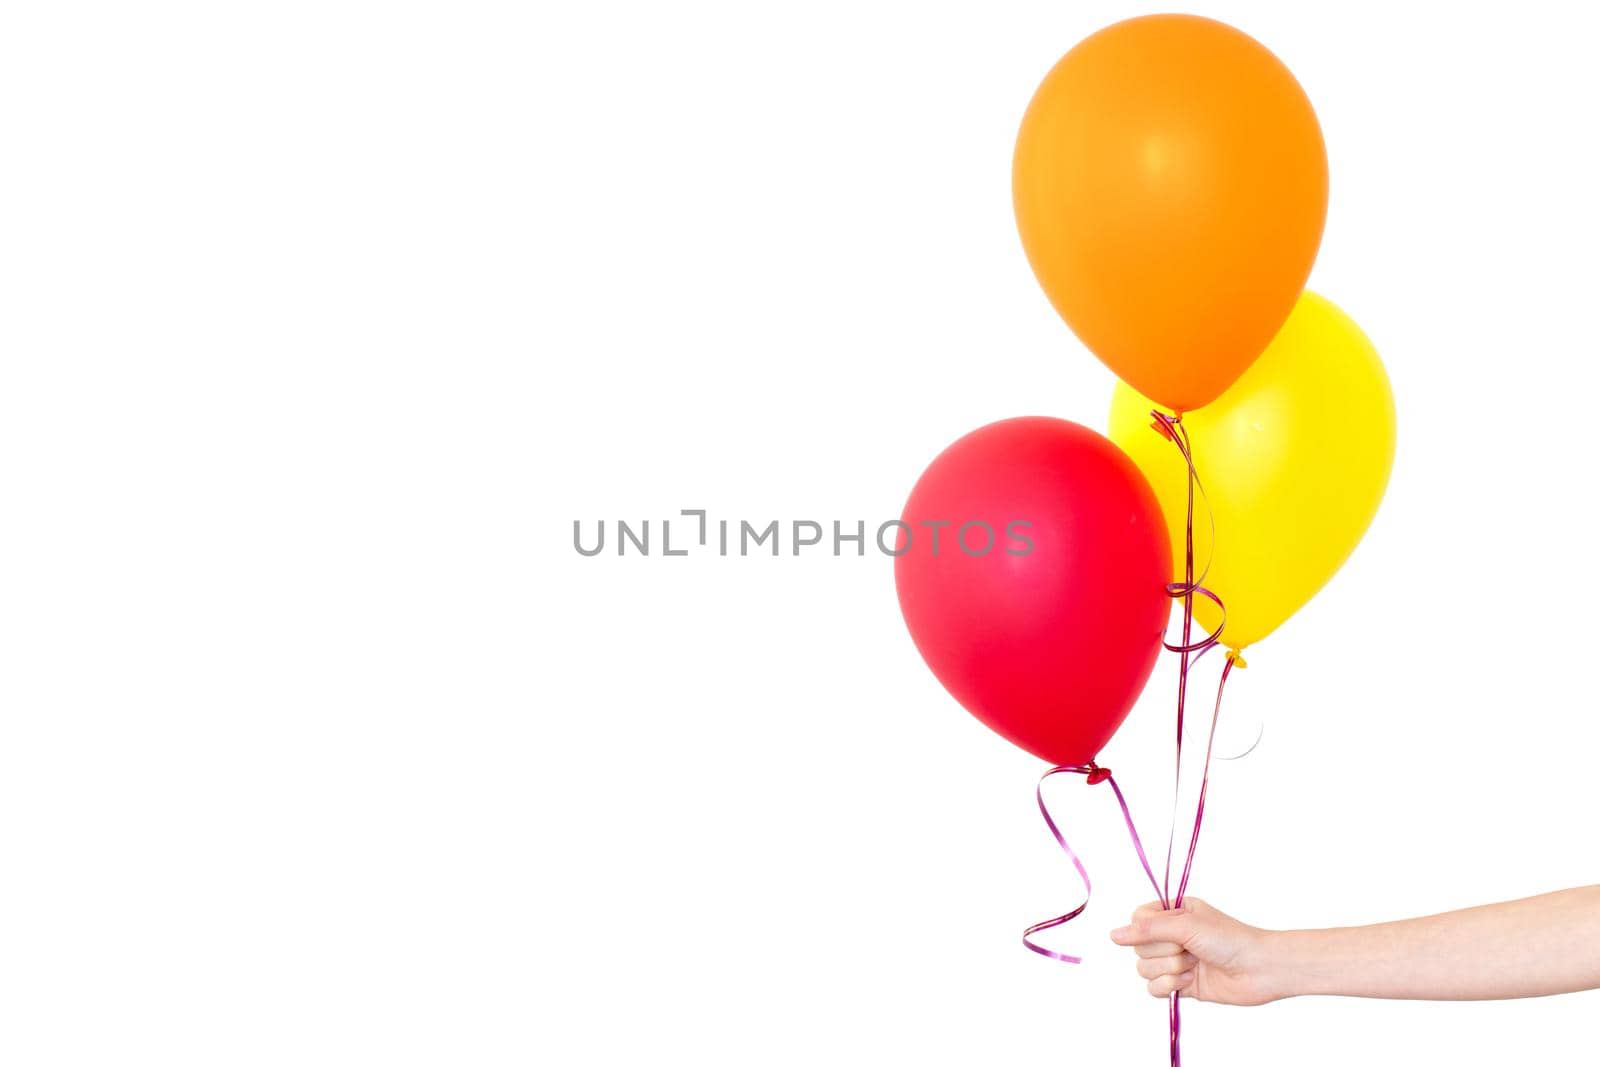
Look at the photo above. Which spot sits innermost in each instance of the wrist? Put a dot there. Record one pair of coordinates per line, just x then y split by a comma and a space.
1295, 964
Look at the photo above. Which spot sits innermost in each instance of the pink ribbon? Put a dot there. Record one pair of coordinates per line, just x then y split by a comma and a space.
1189, 652
1095, 775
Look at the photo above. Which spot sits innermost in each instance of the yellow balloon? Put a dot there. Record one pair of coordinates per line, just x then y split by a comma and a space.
1294, 458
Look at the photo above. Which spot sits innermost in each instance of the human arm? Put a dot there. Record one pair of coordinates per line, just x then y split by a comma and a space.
1520, 948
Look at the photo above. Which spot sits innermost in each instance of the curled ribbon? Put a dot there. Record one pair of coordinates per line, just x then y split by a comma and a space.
1095, 775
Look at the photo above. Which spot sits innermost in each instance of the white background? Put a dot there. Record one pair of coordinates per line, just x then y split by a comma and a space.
319, 326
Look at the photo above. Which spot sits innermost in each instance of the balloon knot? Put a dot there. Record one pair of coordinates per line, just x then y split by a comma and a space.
1098, 774
1236, 657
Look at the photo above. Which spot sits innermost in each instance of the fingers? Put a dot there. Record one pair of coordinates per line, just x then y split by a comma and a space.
1156, 968
1158, 948
1169, 984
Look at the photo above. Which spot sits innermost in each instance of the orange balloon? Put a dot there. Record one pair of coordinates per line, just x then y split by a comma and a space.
1171, 184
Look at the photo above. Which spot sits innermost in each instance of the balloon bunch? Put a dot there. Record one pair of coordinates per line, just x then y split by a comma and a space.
1170, 184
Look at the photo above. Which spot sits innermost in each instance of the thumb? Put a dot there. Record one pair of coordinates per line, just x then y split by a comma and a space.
1150, 927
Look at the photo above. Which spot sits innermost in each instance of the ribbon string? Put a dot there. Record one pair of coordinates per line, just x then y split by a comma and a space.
1205, 781
1171, 426
1190, 652
1095, 775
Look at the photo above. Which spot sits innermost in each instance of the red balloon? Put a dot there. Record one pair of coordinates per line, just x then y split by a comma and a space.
1032, 576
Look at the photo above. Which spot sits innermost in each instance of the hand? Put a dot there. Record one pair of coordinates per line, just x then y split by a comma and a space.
1199, 952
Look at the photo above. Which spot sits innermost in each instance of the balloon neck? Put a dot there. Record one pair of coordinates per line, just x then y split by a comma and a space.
1236, 657
1097, 773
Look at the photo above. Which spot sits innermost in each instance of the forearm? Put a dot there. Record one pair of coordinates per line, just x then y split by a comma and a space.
1521, 948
